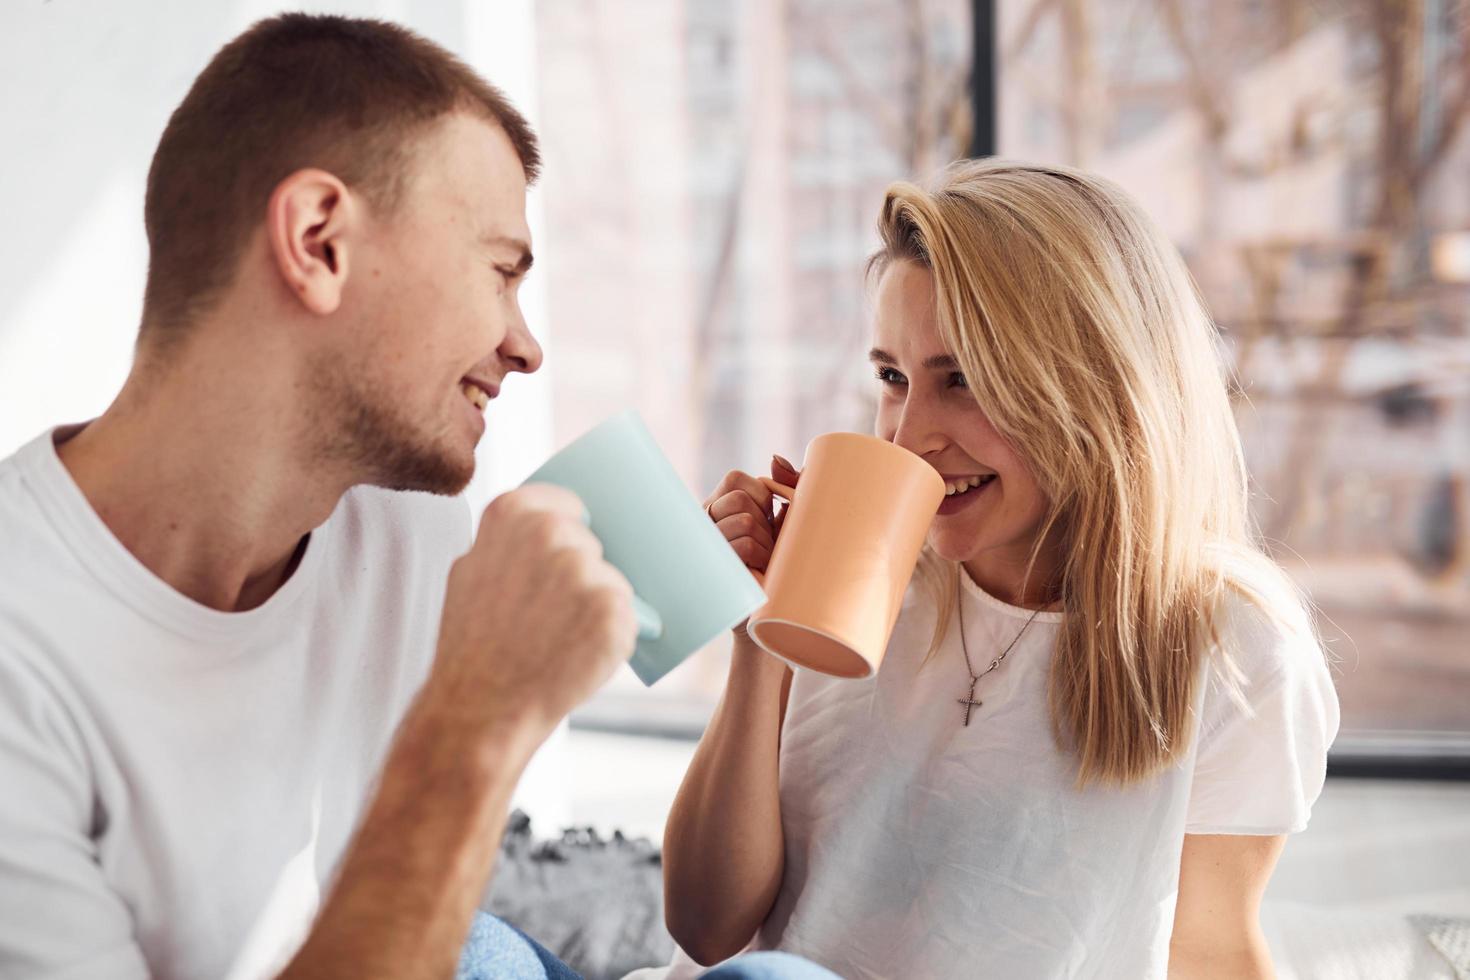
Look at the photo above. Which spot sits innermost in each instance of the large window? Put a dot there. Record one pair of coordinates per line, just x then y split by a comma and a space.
1312, 161
713, 175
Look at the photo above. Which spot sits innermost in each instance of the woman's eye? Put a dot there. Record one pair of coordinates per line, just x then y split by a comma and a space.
957, 380
889, 376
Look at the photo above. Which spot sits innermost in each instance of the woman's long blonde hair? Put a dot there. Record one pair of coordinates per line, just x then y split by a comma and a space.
1085, 341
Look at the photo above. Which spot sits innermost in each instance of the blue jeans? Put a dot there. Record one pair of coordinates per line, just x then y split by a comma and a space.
769, 966
496, 950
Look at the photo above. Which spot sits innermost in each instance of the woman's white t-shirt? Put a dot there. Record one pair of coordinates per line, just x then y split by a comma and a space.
919, 847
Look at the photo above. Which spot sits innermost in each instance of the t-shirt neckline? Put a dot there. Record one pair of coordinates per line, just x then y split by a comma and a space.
992, 604
119, 570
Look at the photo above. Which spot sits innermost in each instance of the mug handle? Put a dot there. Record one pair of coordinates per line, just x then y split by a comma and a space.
787, 494
781, 490
650, 623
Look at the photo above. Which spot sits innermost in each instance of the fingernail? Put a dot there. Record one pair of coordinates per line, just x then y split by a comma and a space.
777, 458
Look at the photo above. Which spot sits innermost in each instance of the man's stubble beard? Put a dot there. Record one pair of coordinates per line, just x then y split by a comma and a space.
368, 435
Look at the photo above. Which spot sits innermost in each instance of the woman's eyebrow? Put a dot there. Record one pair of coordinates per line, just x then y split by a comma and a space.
939, 362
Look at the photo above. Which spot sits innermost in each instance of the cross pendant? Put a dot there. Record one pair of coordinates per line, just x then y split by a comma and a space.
970, 701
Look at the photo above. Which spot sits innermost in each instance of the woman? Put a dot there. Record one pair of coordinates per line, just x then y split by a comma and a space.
1102, 708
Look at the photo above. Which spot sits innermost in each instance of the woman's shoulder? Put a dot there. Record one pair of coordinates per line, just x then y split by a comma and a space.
1263, 646
1266, 632
1268, 714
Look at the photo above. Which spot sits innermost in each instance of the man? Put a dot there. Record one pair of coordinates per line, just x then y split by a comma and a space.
255, 717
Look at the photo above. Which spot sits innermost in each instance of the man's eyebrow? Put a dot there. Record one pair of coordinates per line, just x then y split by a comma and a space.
507, 241
939, 362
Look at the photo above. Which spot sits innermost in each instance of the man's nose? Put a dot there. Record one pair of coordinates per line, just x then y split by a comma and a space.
519, 350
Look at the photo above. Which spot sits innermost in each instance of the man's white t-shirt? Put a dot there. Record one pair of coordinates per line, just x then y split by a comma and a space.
919, 847
178, 784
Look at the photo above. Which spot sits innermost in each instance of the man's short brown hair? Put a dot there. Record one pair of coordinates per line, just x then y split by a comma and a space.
294, 91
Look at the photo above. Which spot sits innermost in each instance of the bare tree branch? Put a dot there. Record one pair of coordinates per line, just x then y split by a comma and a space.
1457, 106
1203, 89
1034, 16
859, 92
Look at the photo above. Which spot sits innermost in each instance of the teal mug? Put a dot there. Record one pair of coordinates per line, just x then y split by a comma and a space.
690, 586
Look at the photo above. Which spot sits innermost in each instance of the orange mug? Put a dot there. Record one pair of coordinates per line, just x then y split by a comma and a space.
847, 550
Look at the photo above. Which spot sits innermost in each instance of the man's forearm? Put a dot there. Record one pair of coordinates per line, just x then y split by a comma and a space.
402, 904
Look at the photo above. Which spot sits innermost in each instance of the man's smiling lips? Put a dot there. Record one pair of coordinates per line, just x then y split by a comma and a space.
478, 391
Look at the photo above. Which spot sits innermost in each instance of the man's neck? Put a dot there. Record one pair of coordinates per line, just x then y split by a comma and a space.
199, 469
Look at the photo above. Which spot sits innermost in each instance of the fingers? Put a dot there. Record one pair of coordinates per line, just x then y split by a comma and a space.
551, 517
783, 472
724, 501
747, 525
735, 503
739, 514
751, 555
614, 588
544, 496
741, 508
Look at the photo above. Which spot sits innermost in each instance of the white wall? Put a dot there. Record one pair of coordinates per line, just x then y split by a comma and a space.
86, 87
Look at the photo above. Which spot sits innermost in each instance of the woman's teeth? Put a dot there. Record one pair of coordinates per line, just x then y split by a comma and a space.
965, 485
476, 395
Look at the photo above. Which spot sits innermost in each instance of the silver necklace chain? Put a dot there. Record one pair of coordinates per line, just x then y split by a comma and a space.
969, 702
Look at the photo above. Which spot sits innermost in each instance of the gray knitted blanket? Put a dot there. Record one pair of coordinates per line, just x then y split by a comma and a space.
596, 903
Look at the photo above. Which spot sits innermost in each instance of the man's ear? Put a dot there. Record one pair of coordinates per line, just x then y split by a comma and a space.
310, 221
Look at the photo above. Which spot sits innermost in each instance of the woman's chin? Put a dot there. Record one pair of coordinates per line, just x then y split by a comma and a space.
951, 547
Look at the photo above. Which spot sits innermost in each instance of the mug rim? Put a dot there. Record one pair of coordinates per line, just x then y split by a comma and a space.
904, 456
752, 628
587, 436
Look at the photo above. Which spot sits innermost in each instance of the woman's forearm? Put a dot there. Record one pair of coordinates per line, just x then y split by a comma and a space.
723, 849
1246, 956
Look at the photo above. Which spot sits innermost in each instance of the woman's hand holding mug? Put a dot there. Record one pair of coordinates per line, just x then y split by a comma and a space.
744, 508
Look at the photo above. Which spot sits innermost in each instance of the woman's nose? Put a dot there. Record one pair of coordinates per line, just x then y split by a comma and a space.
918, 430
